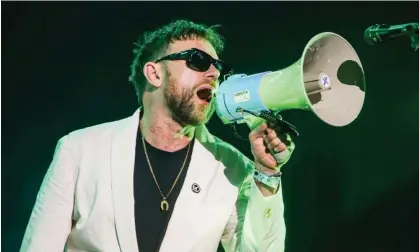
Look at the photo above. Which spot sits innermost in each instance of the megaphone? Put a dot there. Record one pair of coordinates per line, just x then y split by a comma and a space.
327, 80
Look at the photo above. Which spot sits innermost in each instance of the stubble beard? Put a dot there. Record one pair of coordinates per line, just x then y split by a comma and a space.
183, 105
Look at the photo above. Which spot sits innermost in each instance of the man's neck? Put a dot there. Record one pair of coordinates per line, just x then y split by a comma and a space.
162, 132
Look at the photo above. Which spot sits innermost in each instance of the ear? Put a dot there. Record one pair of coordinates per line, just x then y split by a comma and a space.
153, 73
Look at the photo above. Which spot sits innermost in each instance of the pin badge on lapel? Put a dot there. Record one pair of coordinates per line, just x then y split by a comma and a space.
196, 188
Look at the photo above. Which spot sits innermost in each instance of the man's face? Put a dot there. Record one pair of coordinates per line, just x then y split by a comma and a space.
185, 90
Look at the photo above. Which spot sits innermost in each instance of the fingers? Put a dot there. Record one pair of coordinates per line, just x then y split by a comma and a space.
276, 145
273, 140
270, 134
258, 132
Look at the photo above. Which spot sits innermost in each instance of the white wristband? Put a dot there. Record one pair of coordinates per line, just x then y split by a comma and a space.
272, 181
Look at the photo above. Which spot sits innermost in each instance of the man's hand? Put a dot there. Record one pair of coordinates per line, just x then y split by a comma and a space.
263, 140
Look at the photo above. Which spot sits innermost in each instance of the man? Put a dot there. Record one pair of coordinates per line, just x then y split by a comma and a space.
158, 180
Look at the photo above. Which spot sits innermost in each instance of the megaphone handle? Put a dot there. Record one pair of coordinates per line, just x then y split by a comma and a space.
254, 121
287, 127
276, 120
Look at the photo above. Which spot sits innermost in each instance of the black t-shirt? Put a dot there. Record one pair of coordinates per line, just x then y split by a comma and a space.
150, 221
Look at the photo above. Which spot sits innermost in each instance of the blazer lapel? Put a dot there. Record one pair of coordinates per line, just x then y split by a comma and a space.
185, 225
122, 169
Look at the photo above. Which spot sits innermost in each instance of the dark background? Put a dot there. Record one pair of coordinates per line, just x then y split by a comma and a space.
65, 66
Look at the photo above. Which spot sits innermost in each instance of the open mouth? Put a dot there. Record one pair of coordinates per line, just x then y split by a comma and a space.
205, 93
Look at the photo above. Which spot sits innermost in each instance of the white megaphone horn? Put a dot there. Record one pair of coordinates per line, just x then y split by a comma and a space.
328, 80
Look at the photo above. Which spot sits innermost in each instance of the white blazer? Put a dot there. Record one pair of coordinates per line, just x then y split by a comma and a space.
86, 200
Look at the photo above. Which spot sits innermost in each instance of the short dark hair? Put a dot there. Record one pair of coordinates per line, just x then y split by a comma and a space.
152, 45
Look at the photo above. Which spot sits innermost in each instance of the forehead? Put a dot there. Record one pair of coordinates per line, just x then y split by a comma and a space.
182, 45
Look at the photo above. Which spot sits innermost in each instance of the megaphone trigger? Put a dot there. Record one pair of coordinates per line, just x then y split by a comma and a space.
286, 127
276, 121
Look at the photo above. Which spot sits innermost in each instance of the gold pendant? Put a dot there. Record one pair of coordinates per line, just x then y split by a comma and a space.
163, 204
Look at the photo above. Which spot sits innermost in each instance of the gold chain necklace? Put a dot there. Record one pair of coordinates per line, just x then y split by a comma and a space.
164, 205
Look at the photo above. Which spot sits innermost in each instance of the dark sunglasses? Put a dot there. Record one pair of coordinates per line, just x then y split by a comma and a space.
198, 60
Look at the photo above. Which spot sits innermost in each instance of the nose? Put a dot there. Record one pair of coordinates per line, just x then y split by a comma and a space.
212, 73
